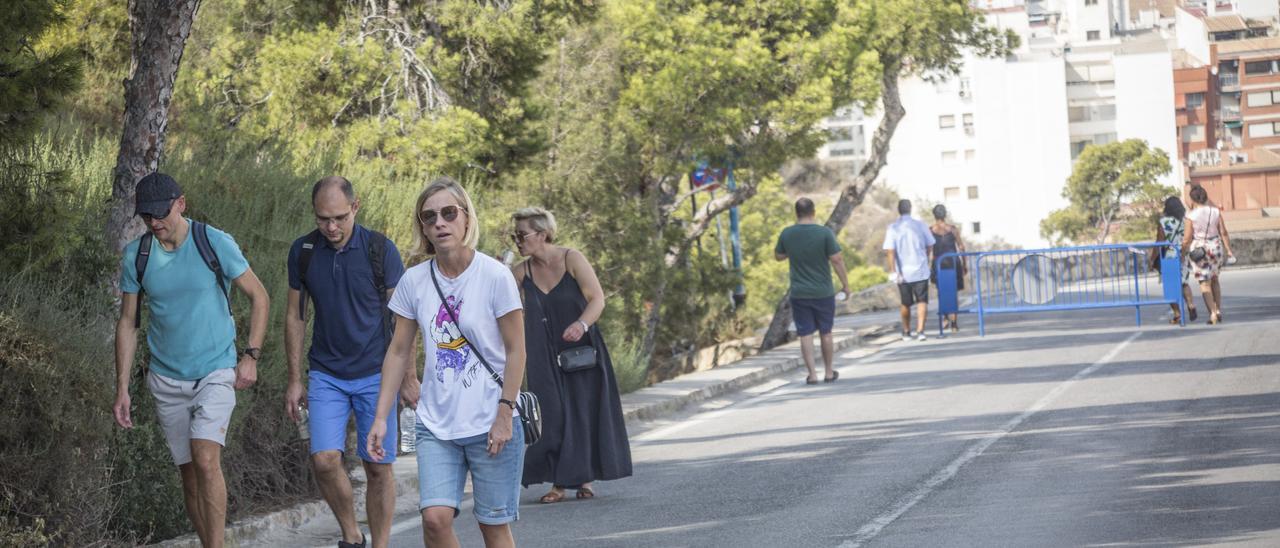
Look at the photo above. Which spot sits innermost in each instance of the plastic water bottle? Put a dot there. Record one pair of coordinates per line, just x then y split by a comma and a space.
408, 430
304, 430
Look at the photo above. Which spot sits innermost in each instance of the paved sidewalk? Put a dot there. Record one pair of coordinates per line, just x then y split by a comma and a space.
646, 404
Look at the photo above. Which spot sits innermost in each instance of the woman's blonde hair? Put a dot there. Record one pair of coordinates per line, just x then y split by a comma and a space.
421, 245
539, 219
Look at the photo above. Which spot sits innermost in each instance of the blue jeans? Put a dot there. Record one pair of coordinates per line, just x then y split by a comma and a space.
495, 481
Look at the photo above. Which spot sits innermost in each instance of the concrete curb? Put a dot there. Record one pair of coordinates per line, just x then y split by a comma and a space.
648, 403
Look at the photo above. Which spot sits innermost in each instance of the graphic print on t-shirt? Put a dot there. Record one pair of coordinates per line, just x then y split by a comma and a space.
452, 350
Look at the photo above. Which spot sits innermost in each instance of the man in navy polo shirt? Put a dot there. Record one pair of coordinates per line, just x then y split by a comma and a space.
337, 271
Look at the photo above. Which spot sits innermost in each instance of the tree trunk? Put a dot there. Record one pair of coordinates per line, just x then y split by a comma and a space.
853, 194
159, 30
651, 324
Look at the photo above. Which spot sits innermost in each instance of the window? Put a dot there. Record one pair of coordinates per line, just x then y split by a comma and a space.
951, 193
969, 155
948, 157
838, 152
1193, 133
1259, 67
1093, 35
1260, 98
977, 228
1090, 2
1195, 100
973, 193
1095, 113
1104, 138
1265, 129
968, 123
1077, 147
946, 121
840, 134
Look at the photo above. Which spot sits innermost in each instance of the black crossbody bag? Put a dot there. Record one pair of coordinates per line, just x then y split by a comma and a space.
526, 403
578, 358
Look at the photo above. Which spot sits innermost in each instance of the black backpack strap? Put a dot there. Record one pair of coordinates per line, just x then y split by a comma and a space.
304, 262
200, 234
140, 266
377, 245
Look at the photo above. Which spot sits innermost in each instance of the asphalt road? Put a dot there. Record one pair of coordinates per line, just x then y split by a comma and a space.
1075, 429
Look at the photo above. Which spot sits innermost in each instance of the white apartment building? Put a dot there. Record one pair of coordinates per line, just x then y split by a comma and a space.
996, 143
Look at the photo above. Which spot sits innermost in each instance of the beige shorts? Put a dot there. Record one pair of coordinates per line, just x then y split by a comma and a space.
193, 409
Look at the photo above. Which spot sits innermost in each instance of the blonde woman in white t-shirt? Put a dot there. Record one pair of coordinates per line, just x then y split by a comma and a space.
466, 422
1206, 231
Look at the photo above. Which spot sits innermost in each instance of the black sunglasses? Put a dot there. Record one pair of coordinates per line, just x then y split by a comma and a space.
147, 217
519, 237
428, 216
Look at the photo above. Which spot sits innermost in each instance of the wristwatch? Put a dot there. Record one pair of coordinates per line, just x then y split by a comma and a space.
253, 352
509, 403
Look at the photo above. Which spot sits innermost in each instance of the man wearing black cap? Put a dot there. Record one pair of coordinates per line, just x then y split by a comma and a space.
183, 268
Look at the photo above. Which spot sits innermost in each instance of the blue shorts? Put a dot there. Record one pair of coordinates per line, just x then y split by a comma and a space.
495, 481
813, 315
330, 402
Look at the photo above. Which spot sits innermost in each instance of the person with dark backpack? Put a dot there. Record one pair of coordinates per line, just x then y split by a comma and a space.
348, 273
182, 270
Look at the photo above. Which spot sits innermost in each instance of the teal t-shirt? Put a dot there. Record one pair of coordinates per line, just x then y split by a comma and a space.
809, 248
190, 332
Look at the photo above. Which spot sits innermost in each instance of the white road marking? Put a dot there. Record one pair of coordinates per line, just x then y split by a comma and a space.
875, 526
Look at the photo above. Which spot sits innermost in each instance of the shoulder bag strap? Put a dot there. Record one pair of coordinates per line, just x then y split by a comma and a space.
542, 305
445, 303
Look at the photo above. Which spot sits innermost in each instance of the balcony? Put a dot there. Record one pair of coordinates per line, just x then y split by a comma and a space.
1228, 80
1230, 112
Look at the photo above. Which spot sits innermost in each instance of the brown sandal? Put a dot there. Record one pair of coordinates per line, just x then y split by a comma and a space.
552, 497
586, 493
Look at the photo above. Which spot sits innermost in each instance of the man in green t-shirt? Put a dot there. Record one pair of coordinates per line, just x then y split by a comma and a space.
812, 250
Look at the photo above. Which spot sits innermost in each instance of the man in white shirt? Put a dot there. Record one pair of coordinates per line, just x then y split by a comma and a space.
909, 246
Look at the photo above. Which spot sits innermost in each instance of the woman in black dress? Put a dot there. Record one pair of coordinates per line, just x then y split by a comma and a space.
946, 240
584, 437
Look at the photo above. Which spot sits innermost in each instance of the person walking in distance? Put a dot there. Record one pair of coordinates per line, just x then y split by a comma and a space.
468, 308
584, 437
811, 251
348, 272
1207, 245
908, 243
1171, 229
948, 241
183, 268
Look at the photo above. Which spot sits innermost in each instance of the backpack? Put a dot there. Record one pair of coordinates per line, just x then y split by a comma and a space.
200, 235
377, 261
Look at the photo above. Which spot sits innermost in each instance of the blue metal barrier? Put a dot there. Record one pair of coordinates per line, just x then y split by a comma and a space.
1067, 278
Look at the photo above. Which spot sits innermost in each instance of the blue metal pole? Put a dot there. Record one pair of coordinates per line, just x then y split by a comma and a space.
734, 235
982, 326
1137, 295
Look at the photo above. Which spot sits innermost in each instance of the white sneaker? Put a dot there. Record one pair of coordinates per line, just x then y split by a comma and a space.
921, 337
